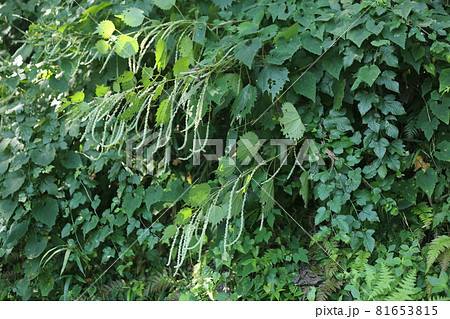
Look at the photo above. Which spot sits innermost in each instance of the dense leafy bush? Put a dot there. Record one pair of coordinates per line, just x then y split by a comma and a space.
365, 85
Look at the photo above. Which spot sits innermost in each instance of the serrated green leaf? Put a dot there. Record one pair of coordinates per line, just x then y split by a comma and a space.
182, 65
101, 90
358, 35
368, 214
102, 47
291, 123
440, 110
428, 124
246, 151
387, 79
126, 46
161, 55
339, 93
427, 181
246, 53
198, 195
300, 255
388, 55
272, 79
169, 232
223, 4
105, 29
147, 74
283, 50
131, 202
247, 27
244, 102
403, 9
216, 215
322, 214
164, 4
186, 47
287, 33
133, 17
306, 86
374, 28
397, 35
226, 167
367, 74
368, 240
266, 196
333, 63
163, 112
390, 106
183, 216
311, 44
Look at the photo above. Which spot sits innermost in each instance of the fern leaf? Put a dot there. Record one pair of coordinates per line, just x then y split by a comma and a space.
437, 247
327, 288
384, 281
444, 259
407, 288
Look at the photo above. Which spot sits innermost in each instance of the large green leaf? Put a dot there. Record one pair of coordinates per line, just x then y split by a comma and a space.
306, 85
366, 101
17, 231
43, 156
427, 181
216, 215
35, 246
444, 79
244, 102
198, 194
247, 147
13, 182
7, 208
45, 211
164, 4
105, 29
272, 79
133, 17
126, 46
246, 53
291, 123
367, 74
333, 63
443, 151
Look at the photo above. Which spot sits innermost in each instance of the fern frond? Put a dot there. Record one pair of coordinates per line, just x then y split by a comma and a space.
327, 288
410, 128
384, 281
444, 259
370, 274
406, 289
360, 260
437, 247
271, 257
160, 282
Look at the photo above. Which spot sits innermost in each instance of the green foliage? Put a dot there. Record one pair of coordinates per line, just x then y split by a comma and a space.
77, 98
